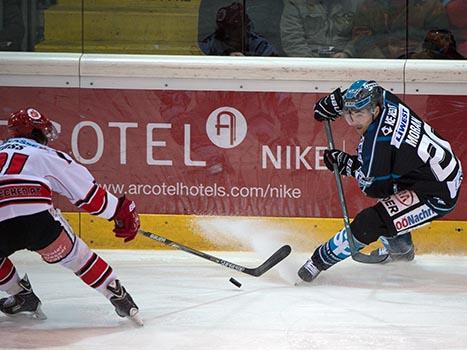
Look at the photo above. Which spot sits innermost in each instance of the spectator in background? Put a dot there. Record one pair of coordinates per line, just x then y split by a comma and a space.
438, 44
457, 14
234, 35
265, 14
380, 29
11, 26
317, 28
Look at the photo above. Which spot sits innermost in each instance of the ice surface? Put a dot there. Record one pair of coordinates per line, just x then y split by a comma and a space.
188, 303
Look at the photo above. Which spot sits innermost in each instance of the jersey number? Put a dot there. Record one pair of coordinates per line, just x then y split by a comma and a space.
434, 150
16, 164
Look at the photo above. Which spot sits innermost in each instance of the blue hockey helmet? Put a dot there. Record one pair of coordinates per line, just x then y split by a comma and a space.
362, 94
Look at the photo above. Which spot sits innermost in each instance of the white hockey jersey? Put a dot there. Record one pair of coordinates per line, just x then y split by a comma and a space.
30, 172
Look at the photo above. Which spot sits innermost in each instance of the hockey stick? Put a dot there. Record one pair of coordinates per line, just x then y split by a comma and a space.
272, 261
356, 255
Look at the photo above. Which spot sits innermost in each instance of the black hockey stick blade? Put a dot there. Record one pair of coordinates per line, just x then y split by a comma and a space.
272, 261
369, 259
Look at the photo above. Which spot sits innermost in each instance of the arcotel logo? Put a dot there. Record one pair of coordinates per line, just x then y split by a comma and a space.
226, 127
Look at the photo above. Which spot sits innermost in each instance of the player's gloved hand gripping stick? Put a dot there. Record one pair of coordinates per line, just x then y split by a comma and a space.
272, 261
356, 255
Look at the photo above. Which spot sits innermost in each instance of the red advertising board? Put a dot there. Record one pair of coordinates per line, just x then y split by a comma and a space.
215, 152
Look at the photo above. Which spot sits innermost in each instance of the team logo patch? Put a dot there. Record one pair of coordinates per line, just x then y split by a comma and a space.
407, 198
399, 202
33, 114
386, 130
414, 218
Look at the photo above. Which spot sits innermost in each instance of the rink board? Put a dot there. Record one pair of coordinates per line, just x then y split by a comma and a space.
303, 234
201, 137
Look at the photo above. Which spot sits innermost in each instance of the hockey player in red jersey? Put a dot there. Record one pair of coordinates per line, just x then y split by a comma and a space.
401, 161
30, 172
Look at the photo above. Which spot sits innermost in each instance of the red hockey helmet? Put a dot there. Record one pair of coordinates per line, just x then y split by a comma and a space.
30, 123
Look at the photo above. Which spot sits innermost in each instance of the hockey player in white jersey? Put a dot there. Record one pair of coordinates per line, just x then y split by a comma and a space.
401, 161
30, 172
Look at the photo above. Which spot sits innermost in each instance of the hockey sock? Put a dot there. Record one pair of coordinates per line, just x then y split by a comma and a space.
9, 278
90, 267
333, 251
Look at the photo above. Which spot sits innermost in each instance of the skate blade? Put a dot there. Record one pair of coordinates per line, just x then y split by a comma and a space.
299, 282
39, 314
135, 317
35, 315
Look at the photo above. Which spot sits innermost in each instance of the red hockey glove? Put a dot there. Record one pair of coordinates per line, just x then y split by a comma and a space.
126, 219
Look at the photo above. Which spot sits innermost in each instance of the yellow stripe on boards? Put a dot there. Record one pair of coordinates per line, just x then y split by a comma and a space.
241, 233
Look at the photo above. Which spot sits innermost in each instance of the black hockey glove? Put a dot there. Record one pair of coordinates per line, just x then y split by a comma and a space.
347, 165
330, 106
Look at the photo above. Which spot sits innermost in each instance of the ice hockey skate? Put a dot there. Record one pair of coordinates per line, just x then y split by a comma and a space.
308, 272
399, 248
24, 302
394, 256
123, 302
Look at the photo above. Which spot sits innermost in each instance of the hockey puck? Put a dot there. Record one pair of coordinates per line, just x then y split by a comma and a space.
235, 282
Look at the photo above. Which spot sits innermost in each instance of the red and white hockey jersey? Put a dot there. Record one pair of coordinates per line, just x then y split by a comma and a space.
31, 172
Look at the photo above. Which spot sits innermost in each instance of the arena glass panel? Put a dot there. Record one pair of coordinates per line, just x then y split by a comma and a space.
23, 25
437, 29
296, 28
160, 27
235, 28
